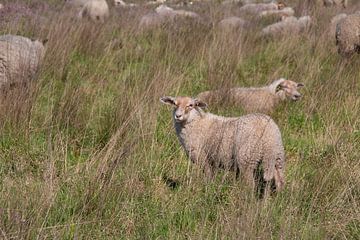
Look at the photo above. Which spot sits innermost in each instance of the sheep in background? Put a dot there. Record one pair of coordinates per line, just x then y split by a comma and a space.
121, 3
1, 6
76, 3
257, 8
289, 25
348, 35
96, 10
237, 144
285, 12
231, 23
20, 58
261, 99
163, 14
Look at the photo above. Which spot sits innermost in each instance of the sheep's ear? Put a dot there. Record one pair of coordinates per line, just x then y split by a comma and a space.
279, 87
200, 104
300, 85
168, 100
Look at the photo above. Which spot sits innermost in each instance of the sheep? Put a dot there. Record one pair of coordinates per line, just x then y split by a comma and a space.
1, 6
348, 35
166, 11
257, 8
76, 3
19, 58
237, 144
121, 3
285, 12
232, 23
262, 99
96, 10
163, 14
289, 25
151, 20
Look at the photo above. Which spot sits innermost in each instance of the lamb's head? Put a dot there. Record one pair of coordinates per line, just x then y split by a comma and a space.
286, 89
186, 109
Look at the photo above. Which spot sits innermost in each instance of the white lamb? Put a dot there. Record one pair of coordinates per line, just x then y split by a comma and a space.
237, 144
19, 59
258, 99
96, 10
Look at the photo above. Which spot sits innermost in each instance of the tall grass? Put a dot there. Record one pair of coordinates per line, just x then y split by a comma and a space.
85, 148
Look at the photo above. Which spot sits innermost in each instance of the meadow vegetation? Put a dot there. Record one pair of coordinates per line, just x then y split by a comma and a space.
88, 152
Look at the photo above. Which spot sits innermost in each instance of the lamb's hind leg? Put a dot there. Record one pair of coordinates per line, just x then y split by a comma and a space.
279, 176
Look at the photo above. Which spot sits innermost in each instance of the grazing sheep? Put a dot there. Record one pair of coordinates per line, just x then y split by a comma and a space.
257, 8
96, 10
19, 58
285, 12
162, 15
232, 23
348, 35
166, 11
289, 25
237, 144
261, 100
151, 20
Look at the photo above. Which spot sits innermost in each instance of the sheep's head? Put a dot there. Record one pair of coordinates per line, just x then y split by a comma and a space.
186, 109
288, 89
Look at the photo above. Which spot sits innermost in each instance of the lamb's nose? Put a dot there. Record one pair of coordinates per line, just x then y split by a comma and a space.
177, 116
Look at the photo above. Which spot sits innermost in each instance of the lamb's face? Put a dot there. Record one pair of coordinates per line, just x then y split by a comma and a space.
185, 108
289, 89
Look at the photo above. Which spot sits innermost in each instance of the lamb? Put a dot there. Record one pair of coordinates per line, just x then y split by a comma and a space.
257, 8
237, 144
96, 10
19, 58
348, 35
289, 25
262, 100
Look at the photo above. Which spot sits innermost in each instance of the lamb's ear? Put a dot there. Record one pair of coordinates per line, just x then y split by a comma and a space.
300, 85
279, 87
200, 104
168, 100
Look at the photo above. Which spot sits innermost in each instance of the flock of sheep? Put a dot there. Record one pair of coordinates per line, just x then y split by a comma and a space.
237, 144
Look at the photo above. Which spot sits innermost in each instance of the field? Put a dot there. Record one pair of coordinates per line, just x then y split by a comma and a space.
87, 151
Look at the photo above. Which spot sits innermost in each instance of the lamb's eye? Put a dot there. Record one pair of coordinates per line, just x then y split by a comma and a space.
190, 105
